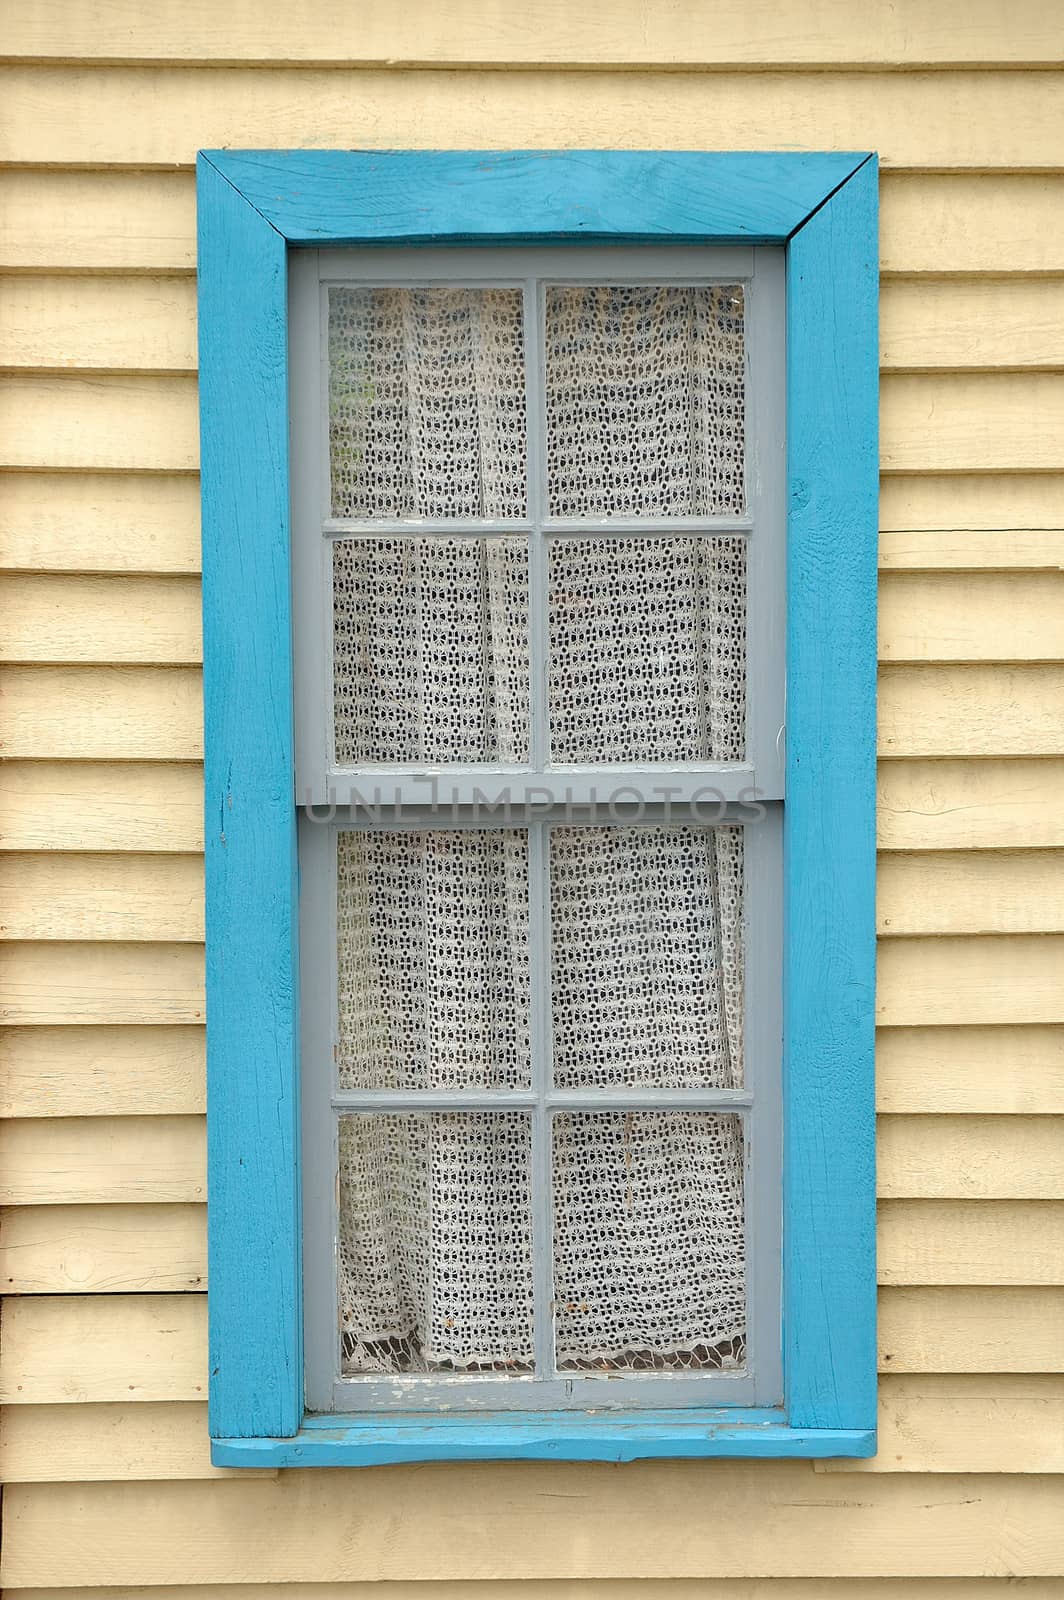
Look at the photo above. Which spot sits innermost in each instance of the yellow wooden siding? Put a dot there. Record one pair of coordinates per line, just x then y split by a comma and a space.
103, 1361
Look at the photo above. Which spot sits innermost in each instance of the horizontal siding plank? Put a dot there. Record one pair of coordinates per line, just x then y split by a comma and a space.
102, 1071
971, 711
971, 1330
61, 1349
593, 1589
932, 223
110, 620
767, 32
955, 422
100, 983
943, 981
472, 1521
969, 805
960, 223
137, 424
985, 616
122, 1249
970, 1423
979, 550
126, 897
931, 422
99, 522
128, 324
959, 325
89, 1348
78, 1444
960, 892
996, 1242
968, 1157
142, 117
103, 1160
139, 324
112, 806
1019, 503
98, 222
101, 713
997, 1071
111, 1249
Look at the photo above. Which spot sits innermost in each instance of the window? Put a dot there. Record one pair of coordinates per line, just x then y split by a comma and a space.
511, 859
539, 508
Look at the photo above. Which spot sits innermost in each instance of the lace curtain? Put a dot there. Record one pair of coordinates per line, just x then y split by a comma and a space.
646, 664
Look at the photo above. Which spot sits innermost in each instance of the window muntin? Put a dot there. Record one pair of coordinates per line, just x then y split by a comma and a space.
676, 562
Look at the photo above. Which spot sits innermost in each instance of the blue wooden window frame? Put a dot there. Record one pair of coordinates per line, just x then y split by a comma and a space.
823, 207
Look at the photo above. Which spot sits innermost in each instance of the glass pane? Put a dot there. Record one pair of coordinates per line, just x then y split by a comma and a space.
430, 650
647, 649
426, 402
432, 952
645, 401
649, 1250
435, 1259
647, 957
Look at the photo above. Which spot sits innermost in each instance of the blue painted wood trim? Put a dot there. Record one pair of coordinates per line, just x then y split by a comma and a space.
533, 1436
250, 205
255, 1308
407, 197
829, 839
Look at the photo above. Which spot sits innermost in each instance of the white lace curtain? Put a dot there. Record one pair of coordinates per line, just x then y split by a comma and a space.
646, 659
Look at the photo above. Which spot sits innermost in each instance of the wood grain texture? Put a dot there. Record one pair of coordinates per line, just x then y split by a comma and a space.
954, 326
144, 117
99, 522
101, 983
790, 34
111, 1249
971, 711
971, 1070
994, 1242
595, 1589
110, 620
990, 980
79, 1443
961, 892
85, 424
984, 616
102, 1160
125, 324
113, 806
954, 422
969, 805
978, 550
473, 1521
1019, 503
970, 1157
126, 897
102, 1071
970, 1423
101, 713
89, 1348
971, 1330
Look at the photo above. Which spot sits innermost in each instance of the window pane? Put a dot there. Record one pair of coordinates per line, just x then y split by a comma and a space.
647, 957
432, 951
426, 402
647, 649
435, 1261
645, 401
648, 1242
430, 650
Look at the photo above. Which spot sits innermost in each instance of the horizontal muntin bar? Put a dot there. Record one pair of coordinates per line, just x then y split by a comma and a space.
561, 527
503, 797
607, 1100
